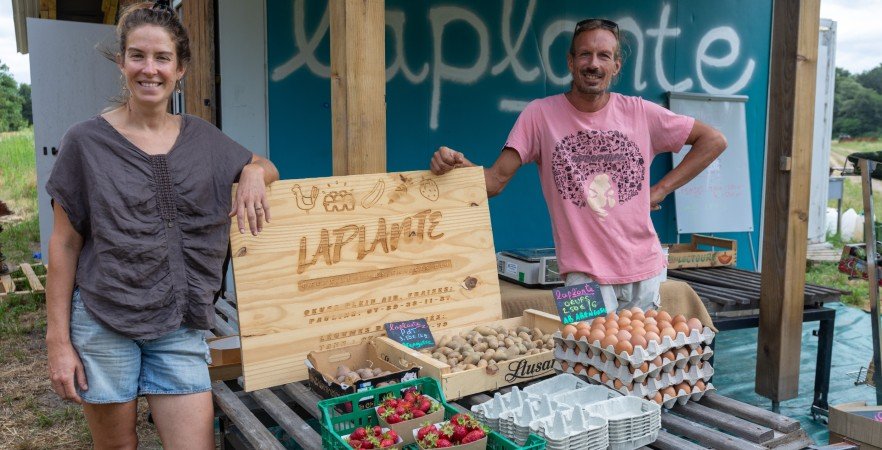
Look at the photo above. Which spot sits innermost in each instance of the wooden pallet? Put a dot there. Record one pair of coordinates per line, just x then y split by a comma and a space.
34, 282
715, 422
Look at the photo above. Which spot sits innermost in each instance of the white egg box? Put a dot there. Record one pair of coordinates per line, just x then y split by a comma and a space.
556, 385
582, 356
574, 426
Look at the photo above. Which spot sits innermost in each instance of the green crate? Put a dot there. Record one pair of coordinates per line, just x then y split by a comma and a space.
336, 424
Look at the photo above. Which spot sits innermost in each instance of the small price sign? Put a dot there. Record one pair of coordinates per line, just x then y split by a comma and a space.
413, 334
579, 302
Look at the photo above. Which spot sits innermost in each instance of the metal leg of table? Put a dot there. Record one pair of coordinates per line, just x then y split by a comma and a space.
822, 369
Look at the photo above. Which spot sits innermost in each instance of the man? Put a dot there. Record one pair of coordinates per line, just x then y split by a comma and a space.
594, 149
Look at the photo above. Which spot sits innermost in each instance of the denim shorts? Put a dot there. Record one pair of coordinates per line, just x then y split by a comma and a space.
643, 294
118, 369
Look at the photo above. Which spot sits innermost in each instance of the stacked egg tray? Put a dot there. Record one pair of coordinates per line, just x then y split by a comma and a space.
668, 372
558, 410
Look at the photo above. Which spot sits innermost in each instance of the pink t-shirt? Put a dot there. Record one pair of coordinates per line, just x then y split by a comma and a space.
594, 169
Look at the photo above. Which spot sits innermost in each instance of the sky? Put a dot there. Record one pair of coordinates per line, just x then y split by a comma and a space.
858, 40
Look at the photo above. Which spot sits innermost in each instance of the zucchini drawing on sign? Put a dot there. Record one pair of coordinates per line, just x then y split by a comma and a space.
579, 302
413, 334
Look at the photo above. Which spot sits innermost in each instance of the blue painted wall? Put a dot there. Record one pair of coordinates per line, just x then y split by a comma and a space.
458, 73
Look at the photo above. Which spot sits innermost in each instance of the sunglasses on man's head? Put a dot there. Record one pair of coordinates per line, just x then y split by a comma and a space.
604, 23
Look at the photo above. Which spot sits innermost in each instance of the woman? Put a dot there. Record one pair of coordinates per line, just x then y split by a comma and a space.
142, 204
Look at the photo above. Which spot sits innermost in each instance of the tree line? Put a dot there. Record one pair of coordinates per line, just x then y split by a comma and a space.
857, 104
15, 102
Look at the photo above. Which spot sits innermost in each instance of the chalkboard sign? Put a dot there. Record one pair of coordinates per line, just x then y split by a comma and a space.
579, 302
413, 334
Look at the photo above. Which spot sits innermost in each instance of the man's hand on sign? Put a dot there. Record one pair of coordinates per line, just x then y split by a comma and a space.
446, 159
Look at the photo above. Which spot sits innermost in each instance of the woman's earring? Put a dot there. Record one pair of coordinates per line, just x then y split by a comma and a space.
122, 81
178, 86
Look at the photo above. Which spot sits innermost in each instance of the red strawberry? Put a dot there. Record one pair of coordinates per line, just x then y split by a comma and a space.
355, 443
473, 436
417, 413
409, 396
387, 443
459, 419
459, 432
442, 443
381, 409
422, 432
359, 433
391, 434
425, 404
446, 431
377, 430
367, 444
400, 410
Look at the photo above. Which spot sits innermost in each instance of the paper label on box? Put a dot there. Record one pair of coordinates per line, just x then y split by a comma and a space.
511, 269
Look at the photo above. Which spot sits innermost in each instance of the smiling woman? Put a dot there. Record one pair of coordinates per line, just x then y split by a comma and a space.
142, 216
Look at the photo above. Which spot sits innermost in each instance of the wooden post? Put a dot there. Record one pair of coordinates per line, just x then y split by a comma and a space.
199, 82
788, 168
358, 86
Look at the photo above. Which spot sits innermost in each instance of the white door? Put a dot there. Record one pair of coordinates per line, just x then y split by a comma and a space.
71, 81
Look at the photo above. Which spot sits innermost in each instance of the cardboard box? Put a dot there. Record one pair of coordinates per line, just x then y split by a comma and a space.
702, 251
406, 429
856, 423
323, 365
459, 384
226, 358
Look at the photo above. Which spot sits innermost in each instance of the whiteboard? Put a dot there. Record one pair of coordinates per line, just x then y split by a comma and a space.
718, 199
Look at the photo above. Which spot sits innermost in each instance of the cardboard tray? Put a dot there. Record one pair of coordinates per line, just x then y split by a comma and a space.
702, 251
460, 384
323, 365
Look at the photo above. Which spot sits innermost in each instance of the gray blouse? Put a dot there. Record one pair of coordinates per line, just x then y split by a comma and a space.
155, 227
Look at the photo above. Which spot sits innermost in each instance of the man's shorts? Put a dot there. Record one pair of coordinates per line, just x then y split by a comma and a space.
642, 294
118, 369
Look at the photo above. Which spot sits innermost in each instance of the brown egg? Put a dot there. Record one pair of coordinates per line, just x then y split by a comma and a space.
668, 332
604, 378
669, 392
700, 364
617, 384
596, 335
624, 346
652, 336
638, 316
637, 323
650, 321
611, 326
592, 372
612, 317
579, 368
695, 324
583, 333
658, 398
684, 386
617, 363
589, 353
582, 325
652, 328
682, 351
598, 321
603, 357
669, 355
564, 366
624, 322
662, 324
663, 316
576, 350
609, 340
568, 331
681, 327
699, 386
651, 313
624, 314
658, 362
638, 341
699, 350
644, 367
623, 335
679, 318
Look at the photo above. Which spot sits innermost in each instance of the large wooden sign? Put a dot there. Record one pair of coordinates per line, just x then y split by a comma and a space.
344, 255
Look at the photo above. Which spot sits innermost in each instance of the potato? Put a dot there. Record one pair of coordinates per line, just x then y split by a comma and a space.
342, 371
484, 330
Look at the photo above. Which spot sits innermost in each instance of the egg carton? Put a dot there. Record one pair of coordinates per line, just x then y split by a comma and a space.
609, 366
489, 411
571, 427
682, 397
585, 396
629, 417
515, 423
555, 385
640, 354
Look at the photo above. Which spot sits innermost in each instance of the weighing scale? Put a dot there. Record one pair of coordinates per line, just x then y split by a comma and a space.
529, 267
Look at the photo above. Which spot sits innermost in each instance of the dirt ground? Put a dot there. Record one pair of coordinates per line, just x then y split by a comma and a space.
31, 415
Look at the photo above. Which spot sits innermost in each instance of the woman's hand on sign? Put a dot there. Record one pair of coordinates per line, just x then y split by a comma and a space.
251, 201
